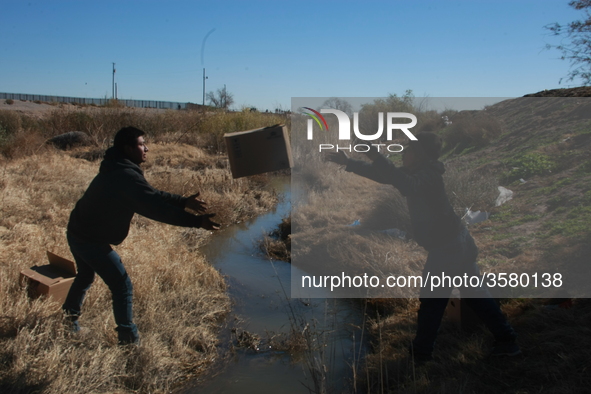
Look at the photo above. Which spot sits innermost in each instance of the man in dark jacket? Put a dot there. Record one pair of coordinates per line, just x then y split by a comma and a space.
102, 217
437, 228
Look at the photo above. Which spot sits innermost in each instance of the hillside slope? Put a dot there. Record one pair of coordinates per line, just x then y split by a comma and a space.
544, 157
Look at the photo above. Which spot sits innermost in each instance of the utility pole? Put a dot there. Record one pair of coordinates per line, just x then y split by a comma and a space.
204, 78
113, 94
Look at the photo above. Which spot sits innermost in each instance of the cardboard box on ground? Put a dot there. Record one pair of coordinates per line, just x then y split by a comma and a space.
52, 280
258, 151
460, 314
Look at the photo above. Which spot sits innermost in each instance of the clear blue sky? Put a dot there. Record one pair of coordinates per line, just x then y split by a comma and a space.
266, 52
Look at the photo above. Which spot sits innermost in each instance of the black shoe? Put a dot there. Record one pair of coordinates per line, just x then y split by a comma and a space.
419, 358
129, 340
71, 323
503, 348
128, 335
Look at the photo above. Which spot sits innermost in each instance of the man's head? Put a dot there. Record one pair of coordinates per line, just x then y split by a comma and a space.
427, 147
130, 142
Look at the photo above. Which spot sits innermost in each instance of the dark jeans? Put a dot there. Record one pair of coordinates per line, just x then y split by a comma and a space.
101, 259
456, 258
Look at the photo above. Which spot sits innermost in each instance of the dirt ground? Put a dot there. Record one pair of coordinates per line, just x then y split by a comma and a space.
38, 110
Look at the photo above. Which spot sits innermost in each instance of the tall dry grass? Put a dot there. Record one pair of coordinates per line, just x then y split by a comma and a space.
555, 343
471, 129
179, 298
203, 129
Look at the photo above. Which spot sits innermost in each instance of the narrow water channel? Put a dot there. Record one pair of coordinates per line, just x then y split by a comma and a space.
261, 307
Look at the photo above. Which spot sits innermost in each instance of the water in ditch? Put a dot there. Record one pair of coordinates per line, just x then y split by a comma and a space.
262, 308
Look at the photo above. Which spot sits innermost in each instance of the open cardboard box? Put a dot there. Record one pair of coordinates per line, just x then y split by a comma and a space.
52, 280
258, 151
459, 313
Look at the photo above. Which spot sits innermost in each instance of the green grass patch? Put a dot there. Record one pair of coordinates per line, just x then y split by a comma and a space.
576, 224
584, 168
524, 219
513, 247
504, 214
582, 128
500, 236
531, 164
555, 186
489, 262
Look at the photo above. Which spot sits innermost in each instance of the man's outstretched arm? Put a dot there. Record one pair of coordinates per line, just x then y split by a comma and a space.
153, 204
367, 170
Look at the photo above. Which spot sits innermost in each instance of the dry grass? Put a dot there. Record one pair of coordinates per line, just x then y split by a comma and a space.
277, 244
333, 201
326, 241
471, 129
555, 343
101, 123
322, 227
179, 299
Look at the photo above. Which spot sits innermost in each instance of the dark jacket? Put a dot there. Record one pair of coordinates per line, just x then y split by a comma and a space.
104, 212
432, 217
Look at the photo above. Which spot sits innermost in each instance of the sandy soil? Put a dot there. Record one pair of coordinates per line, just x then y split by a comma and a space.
29, 107
38, 110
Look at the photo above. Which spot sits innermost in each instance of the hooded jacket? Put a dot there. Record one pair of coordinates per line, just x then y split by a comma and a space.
104, 212
433, 220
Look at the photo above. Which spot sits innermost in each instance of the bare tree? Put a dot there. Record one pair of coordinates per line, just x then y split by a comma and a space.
340, 104
576, 43
221, 99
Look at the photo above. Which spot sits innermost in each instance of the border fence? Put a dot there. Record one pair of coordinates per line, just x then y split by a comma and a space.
96, 101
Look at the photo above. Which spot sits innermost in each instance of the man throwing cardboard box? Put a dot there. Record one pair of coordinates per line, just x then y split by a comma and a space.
102, 218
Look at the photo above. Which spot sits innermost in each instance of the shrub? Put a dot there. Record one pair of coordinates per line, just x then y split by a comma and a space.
10, 121
3, 137
114, 103
22, 143
531, 164
9, 101
190, 127
470, 189
470, 129
430, 121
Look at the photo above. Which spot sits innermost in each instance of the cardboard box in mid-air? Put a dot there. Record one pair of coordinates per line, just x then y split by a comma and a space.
258, 151
52, 280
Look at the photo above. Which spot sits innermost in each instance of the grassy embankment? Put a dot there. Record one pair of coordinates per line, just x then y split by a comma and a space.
179, 299
544, 228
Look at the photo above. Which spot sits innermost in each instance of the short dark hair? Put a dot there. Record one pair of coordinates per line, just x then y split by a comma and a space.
430, 143
127, 136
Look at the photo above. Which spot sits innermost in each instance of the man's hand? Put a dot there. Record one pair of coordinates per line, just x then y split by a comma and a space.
339, 157
194, 203
207, 224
